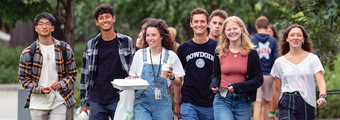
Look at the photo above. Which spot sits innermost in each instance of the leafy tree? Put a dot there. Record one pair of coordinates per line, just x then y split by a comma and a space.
10, 12
332, 82
25, 10
320, 18
130, 13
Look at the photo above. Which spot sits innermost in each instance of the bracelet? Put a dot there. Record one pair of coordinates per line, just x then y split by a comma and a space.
272, 114
173, 77
323, 96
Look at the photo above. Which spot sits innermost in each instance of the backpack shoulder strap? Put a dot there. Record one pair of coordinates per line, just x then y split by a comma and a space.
64, 50
32, 50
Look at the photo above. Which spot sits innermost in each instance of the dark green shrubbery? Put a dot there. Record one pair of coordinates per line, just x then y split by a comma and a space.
9, 64
78, 53
332, 81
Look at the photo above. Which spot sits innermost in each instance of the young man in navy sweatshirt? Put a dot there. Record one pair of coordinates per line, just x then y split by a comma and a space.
267, 49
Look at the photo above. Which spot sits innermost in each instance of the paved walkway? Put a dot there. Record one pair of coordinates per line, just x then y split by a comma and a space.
9, 101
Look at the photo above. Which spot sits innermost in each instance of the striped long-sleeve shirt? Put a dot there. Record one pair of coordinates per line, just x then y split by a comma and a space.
29, 72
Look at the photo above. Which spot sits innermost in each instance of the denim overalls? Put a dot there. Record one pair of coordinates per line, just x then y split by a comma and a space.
146, 107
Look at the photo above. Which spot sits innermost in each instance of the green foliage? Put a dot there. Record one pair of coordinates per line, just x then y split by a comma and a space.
9, 64
319, 18
78, 55
76, 89
21, 10
78, 50
332, 82
129, 13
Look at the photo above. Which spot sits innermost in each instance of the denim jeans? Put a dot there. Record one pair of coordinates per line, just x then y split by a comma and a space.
100, 111
146, 107
232, 107
193, 112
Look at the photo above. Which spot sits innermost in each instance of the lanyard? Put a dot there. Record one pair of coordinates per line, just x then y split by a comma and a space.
159, 67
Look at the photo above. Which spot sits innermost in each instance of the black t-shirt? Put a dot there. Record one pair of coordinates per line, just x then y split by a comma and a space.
109, 68
197, 59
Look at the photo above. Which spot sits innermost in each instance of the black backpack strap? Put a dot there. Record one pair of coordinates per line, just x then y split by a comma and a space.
64, 50
32, 50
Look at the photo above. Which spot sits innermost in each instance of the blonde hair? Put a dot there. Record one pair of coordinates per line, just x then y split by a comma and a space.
224, 42
173, 33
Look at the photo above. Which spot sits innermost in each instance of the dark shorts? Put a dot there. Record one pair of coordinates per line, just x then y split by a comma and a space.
293, 107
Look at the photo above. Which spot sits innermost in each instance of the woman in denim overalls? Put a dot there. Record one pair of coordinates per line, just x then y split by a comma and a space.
155, 102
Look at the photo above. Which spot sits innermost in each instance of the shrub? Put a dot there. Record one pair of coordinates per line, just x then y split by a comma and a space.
332, 81
9, 64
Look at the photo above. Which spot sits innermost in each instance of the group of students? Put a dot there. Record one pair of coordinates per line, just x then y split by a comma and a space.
214, 77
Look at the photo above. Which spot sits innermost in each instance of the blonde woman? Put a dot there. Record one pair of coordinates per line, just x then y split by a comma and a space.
237, 72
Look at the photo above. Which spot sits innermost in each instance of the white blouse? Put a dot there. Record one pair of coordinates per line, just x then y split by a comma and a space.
173, 60
298, 77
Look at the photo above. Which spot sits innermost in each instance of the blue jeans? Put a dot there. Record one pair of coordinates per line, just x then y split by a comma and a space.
194, 112
232, 107
100, 111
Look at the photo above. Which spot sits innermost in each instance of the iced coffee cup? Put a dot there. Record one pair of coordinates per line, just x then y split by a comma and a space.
165, 69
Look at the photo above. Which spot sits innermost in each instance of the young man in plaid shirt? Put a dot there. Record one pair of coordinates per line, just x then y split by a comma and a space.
46, 74
107, 56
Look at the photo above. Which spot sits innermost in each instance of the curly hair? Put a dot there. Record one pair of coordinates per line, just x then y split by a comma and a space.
307, 45
145, 21
103, 8
162, 27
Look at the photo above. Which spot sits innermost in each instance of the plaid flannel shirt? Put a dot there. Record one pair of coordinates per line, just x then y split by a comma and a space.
126, 50
29, 74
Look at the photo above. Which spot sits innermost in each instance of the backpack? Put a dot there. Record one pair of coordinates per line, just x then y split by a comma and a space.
63, 51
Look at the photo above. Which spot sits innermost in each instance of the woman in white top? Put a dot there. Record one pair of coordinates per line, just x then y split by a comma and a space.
154, 103
294, 74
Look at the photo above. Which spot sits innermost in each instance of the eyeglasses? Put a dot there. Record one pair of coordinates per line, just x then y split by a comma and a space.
48, 24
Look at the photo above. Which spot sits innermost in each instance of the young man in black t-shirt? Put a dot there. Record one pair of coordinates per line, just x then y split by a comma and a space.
107, 56
197, 56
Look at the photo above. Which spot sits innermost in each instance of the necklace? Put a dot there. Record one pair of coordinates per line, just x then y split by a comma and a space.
49, 49
235, 53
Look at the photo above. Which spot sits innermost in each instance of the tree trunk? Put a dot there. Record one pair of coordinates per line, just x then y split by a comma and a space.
69, 24
69, 38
